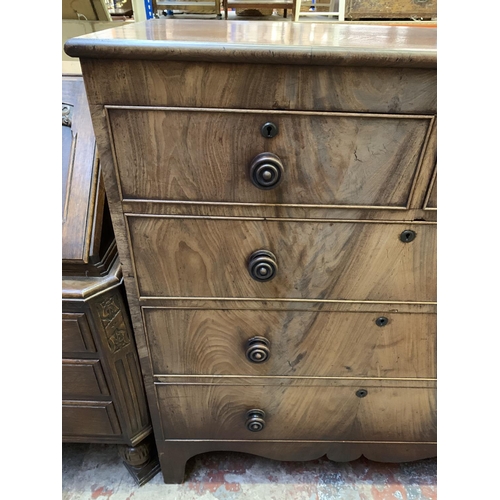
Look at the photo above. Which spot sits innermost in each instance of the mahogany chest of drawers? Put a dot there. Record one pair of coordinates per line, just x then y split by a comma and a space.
273, 191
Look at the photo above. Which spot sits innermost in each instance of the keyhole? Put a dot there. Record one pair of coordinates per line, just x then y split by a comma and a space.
407, 236
269, 130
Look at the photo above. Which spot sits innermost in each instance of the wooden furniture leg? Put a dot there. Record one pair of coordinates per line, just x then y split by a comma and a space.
141, 460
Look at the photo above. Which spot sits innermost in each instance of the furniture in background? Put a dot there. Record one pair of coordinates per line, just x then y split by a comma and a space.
278, 237
390, 9
259, 4
192, 6
338, 12
103, 398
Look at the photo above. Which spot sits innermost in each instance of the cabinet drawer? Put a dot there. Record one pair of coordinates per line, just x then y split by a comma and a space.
197, 257
89, 418
309, 412
297, 343
76, 334
83, 378
328, 158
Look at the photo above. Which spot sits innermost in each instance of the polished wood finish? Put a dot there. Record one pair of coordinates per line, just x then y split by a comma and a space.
176, 157
103, 398
200, 257
264, 42
383, 150
311, 412
310, 344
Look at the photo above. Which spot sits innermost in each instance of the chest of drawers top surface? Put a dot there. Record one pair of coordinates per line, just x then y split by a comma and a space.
265, 42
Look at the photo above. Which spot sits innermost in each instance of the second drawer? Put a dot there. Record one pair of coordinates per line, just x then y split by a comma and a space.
298, 343
201, 257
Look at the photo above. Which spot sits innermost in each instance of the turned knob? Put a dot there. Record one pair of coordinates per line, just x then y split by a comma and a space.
258, 349
262, 265
255, 420
266, 171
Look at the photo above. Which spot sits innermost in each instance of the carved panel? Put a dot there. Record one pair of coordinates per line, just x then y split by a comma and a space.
114, 322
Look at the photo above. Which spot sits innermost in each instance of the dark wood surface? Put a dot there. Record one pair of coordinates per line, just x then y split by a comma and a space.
200, 257
311, 344
308, 412
325, 156
88, 246
103, 398
262, 42
185, 240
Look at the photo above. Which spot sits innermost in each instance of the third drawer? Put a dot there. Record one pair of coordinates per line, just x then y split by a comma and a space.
291, 343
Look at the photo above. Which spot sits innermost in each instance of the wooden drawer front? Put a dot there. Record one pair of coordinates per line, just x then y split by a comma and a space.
93, 418
342, 344
196, 257
329, 159
76, 335
308, 412
83, 378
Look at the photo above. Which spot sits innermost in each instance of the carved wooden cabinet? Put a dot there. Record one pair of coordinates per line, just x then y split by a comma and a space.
272, 189
103, 398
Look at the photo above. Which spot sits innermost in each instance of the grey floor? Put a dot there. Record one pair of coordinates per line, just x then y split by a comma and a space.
93, 472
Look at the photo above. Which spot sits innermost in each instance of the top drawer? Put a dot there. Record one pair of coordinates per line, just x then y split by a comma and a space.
333, 159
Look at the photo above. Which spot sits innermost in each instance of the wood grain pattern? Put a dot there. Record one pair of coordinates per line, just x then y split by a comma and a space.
312, 412
330, 159
262, 42
301, 88
191, 257
191, 342
328, 266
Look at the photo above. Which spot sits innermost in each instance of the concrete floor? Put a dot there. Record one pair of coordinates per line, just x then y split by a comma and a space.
95, 472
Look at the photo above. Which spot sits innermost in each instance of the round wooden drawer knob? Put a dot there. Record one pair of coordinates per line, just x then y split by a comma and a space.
255, 420
262, 265
266, 171
258, 349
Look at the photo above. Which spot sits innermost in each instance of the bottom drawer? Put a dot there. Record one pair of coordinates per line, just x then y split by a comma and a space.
89, 418
353, 410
